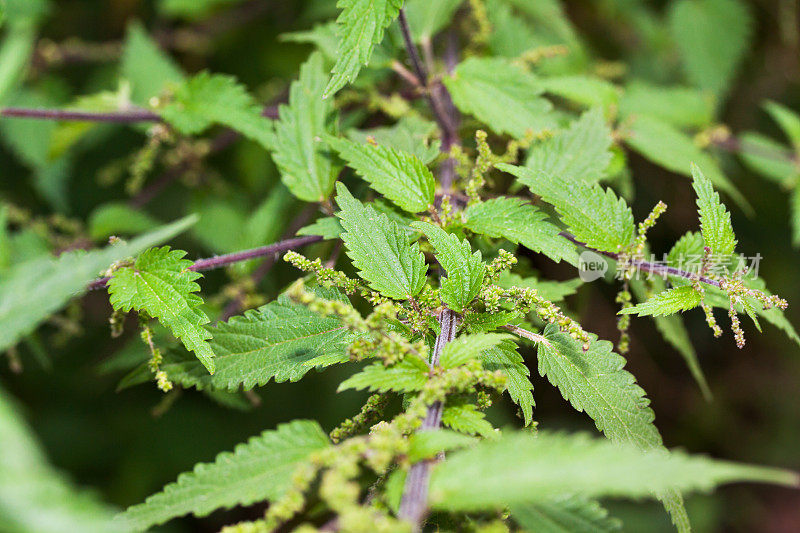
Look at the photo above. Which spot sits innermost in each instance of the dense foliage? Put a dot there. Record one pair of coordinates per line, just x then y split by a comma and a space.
399, 214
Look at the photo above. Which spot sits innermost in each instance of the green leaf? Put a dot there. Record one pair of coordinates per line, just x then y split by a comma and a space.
679, 106
208, 99
160, 284
427, 444
191, 9
465, 269
400, 177
579, 153
380, 249
766, 157
567, 514
505, 358
33, 495
260, 469
468, 347
548, 465
427, 18
668, 147
595, 216
589, 91
118, 218
465, 418
668, 302
410, 134
521, 223
146, 67
304, 160
408, 375
596, 382
788, 120
326, 227
715, 221
500, 94
674, 332
712, 37
280, 340
795, 210
361, 26
33, 290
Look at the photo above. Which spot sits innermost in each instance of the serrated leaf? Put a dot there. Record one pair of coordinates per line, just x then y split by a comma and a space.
465, 269
596, 382
668, 147
467, 347
595, 216
712, 37
580, 152
465, 418
302, 158
160, 284
281, 340
521, 223
715, 221
379, 248
260, 469
33, 290
208, 99
565, 514
408, 375
361, 26
665, 303
410, 134
326, 227
33, 495
146, 67
674, 332
679, 106
505, 358
400, 177
500, 94
547, 465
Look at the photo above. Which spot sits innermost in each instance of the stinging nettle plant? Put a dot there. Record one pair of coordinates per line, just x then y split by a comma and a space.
497, 156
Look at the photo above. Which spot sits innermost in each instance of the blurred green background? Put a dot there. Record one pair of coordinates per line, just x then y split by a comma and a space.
128, 444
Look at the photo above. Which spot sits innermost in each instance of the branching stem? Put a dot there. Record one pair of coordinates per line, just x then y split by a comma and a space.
646, 266
236, 257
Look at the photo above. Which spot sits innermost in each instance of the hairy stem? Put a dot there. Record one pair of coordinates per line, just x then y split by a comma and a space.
439, 101
414, 503
236, 257
119, 117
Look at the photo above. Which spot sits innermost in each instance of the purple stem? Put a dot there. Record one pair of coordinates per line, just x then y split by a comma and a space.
118, 117
646, 266
236, 257
414, 504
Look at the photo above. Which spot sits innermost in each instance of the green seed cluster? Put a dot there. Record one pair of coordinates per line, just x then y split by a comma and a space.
624, 298
526, 300
503, 262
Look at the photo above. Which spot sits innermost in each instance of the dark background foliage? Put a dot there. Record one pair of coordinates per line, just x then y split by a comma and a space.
128, 444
